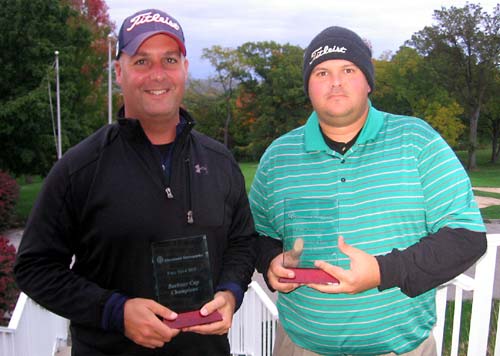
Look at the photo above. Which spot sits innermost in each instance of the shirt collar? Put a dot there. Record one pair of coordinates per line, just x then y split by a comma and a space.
314, 140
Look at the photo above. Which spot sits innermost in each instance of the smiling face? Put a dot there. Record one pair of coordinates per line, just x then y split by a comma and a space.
338, 90
153, 80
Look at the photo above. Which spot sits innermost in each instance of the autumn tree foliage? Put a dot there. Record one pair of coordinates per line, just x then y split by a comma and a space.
32, 30
95, 14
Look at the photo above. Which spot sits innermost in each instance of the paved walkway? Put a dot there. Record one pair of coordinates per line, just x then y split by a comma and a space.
485, 202
64, 351
485, 189
14, 237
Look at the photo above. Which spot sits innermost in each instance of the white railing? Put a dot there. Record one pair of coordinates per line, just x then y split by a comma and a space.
32, 331
480, 290
254, 324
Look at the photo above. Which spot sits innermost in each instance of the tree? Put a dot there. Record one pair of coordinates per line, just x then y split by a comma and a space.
228, 68
271, 95
406, 85
387, 95
204, 99
27, 53
91, 103
463, 48
31, 31
491, 113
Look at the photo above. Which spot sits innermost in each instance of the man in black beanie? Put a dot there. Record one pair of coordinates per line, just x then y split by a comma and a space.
338, 43
376, 201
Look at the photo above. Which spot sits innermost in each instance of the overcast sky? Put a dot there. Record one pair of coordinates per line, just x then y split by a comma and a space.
387, 24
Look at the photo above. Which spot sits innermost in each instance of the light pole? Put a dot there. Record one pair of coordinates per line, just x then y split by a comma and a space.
58, 105
110, 83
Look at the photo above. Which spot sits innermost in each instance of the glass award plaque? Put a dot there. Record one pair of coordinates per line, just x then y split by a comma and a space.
183, 280
310, 234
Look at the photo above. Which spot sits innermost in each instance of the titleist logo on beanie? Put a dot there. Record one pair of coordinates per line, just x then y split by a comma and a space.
325, 50
338, 43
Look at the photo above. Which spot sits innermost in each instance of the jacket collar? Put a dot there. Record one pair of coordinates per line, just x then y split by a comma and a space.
132, 128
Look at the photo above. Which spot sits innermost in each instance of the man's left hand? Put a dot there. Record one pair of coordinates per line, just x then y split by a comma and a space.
223, 302
363, 275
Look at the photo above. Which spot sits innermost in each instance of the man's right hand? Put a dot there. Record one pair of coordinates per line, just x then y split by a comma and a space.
275, 271
142, 324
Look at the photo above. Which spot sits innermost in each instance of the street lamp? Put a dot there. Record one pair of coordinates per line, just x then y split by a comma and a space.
110, 84
58, 105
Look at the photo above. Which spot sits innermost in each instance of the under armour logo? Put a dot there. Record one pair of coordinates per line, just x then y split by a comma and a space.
200, 169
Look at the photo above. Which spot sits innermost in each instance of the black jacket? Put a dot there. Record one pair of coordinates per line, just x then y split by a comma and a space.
105, 202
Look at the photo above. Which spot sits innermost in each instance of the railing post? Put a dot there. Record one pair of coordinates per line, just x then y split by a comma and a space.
480, 319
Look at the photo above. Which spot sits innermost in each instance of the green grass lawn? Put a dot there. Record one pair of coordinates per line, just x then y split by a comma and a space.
27, 195
480, 193
492, 212
487, 174
464, 327
248, 169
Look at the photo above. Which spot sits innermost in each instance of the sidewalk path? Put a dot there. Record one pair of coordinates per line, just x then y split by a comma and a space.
485, 189
484, 202
14, 236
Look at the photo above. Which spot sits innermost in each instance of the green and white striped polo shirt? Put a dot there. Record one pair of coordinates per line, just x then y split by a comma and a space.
399, 182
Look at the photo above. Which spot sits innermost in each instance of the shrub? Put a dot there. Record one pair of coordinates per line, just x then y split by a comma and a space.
8, 289
9, 193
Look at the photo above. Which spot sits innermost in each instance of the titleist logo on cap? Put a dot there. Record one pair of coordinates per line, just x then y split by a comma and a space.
147, 17
321, 51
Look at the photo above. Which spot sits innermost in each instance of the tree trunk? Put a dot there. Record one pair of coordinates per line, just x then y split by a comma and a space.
226, 124
472, 164
495, 146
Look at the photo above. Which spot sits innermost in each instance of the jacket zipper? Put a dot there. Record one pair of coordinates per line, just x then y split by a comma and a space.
190, 218
168, 189
169, 193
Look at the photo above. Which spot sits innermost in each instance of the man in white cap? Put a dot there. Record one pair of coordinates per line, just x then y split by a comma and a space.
397, 213
141, 182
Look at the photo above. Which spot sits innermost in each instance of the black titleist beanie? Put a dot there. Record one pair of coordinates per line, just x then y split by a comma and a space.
338, 43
